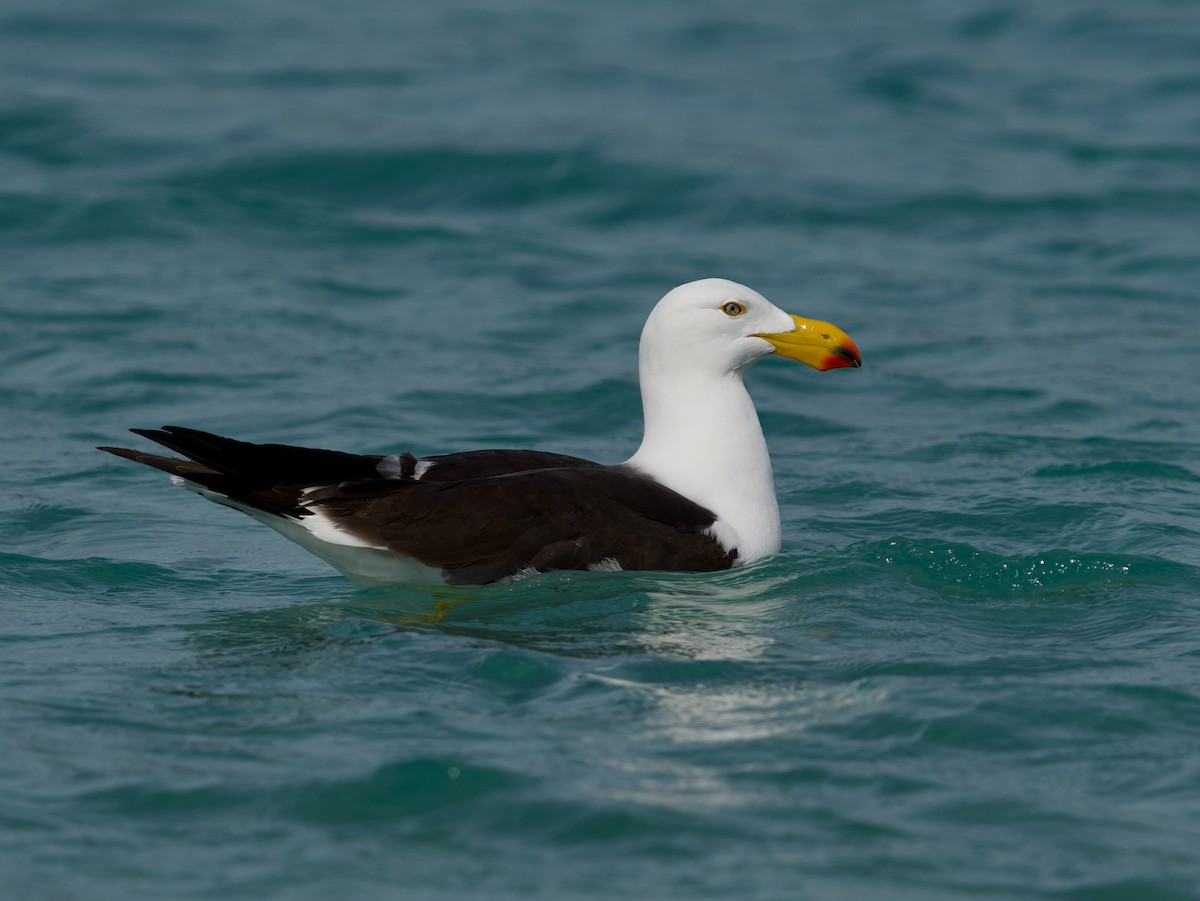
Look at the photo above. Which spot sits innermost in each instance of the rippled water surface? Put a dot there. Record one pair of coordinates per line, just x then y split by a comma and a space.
974, 671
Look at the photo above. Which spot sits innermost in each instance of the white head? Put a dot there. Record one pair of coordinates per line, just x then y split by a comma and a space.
723, 327
702, 435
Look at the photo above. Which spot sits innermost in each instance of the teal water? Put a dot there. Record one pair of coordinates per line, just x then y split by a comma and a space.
974, 671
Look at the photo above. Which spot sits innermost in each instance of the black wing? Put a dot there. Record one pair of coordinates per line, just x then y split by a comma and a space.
268, 477
478, 516
482, 530
483, 464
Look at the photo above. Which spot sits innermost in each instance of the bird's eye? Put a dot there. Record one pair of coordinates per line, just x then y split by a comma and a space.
733, 308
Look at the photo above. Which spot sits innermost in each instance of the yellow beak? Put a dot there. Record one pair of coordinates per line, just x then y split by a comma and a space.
819, 344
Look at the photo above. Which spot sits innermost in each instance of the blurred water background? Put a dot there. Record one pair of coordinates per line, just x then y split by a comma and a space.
974, 671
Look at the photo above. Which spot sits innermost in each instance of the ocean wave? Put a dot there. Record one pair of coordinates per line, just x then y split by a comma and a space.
1049, 573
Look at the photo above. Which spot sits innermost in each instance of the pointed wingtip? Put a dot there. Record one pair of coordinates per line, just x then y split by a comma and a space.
126, 452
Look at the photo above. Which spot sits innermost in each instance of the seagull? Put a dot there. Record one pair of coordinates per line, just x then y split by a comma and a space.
697, 496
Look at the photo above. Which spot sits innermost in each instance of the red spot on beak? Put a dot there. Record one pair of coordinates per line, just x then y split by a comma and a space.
845, 356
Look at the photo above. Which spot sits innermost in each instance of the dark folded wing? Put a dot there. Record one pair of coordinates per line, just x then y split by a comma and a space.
481, 530
479, 516
483, 464
268, 477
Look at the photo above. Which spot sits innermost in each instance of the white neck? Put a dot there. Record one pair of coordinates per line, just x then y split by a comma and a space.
703, 440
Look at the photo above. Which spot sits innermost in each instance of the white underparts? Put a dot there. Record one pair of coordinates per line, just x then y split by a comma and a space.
358, 561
